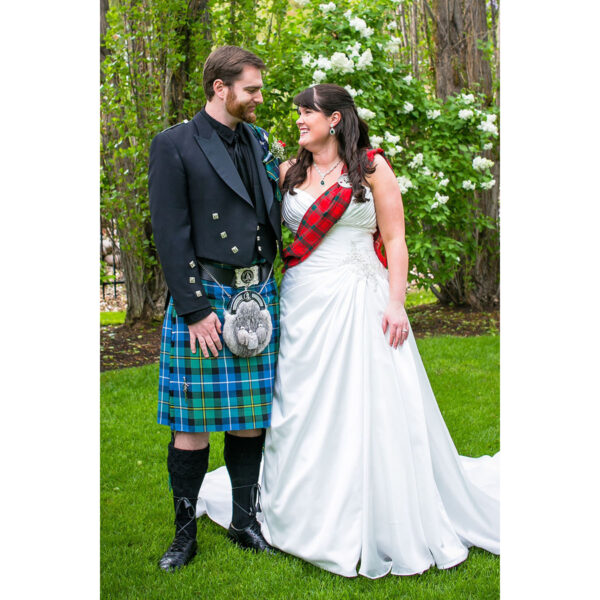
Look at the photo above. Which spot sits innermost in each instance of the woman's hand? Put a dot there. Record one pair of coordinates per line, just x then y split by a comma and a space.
396, 319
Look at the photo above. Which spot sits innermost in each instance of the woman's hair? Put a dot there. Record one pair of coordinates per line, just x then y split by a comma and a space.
352, 134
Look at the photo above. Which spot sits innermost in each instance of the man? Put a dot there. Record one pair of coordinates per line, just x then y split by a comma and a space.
216, 219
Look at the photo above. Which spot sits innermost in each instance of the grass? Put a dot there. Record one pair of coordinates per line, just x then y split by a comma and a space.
136, 508
419, 296
112, 318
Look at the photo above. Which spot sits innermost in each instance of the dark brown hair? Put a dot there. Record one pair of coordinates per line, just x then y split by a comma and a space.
352, 134
227, 63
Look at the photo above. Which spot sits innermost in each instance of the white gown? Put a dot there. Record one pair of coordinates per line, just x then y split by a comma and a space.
359, 466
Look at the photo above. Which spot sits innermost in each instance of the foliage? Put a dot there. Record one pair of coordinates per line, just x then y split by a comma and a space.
112, 318
432, 144
136, 508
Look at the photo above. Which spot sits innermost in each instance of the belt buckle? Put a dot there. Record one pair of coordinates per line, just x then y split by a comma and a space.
246, 276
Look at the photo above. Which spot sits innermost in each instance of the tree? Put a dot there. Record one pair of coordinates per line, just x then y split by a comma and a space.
463, 52
147, 75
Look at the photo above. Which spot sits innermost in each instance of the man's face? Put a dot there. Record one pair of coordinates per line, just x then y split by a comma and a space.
244, 95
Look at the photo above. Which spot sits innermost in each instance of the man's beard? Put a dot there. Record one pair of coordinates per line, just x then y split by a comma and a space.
238, 109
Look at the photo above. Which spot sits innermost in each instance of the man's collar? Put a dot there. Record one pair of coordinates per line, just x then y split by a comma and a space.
224, 132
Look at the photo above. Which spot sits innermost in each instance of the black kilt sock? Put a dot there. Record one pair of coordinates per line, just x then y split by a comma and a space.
186, 470
242, 457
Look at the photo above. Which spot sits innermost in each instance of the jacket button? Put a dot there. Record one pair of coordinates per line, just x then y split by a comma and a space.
215, 216
223, 234
258, 228
192, 264
235, 249
258, 238
192, 280
260, 249
198, 293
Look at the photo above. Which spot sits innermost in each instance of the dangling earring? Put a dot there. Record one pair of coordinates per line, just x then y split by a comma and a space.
331, 131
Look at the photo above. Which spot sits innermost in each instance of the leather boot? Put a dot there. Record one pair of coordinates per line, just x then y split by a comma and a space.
186, 469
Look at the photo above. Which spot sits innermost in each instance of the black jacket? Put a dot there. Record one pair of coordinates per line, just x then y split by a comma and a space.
200, 208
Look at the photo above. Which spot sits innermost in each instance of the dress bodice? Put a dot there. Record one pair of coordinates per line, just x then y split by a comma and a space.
358, 215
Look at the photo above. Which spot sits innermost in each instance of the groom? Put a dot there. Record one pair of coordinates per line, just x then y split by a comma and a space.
217, 223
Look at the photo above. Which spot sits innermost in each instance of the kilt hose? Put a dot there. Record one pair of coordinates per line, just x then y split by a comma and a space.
226, 393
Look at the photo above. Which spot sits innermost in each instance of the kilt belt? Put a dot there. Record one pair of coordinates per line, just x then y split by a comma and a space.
235, 277
223, 393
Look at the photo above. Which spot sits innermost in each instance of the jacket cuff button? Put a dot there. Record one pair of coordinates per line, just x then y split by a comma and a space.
192, 264
198, 293
235, 249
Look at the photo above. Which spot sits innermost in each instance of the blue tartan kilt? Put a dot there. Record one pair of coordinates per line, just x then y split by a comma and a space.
226, 393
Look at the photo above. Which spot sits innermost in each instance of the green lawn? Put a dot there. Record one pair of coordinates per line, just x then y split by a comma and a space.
112, 318
136, 507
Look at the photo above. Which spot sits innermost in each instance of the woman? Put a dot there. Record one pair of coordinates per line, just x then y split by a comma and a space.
359, 465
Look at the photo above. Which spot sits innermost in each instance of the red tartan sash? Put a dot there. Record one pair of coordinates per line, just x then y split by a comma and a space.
321, 216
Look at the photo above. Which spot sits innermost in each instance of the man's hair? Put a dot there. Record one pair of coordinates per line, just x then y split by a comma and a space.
227, 63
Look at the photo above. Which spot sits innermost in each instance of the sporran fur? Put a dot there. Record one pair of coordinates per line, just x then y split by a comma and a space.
248, 327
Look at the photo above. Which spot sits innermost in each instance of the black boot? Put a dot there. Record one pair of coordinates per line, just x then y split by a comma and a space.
186, 469
242, 457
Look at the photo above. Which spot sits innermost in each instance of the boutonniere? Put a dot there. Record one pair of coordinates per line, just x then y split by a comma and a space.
278, 149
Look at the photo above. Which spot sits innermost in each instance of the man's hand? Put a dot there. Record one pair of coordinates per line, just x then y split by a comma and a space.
207, 333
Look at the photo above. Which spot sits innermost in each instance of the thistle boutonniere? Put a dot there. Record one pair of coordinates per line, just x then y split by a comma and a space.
278, 149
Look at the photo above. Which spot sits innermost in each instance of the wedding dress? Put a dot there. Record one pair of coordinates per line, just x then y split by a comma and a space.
359, 468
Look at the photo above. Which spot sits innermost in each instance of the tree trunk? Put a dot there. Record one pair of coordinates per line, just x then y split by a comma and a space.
460, 63
414, 34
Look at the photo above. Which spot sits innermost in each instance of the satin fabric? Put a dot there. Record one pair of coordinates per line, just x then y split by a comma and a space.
359, 469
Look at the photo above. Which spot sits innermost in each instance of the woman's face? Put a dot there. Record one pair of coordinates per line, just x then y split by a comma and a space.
314, 127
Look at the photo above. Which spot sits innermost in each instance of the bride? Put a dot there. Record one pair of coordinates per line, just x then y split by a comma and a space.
359, 467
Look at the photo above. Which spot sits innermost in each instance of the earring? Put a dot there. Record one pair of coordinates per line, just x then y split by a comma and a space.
331, 131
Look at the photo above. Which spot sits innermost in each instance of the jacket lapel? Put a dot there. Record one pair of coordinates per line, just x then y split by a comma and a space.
258, 154
216, 154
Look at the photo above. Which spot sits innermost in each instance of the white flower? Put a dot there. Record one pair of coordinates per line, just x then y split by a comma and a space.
393, 45
347, 14
441, 199
365, 113
488, 127
376, 141
340, 63
392, 139
301, 2
408, 78
468, 98
365, 60
318, 76
417, 161
488, 146
444, 182
426, 171
307, 59
330, 6
407, 107
405, 183
465, 114
433, 114
354, 49
350, 90
399, 149
388, 69
491, 118
435, 205
480, 163
323, 62
440, 175
488, 185
392, 25
392, 151
361, 26
468, 185
278, 149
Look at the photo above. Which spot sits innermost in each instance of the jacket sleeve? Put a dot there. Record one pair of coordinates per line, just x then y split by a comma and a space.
171, 225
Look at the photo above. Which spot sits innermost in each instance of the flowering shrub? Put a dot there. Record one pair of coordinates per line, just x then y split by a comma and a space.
436, 148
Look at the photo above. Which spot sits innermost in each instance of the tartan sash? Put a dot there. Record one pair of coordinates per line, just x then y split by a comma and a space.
321, 216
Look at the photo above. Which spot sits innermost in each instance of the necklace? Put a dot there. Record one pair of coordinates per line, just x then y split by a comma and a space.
323, 175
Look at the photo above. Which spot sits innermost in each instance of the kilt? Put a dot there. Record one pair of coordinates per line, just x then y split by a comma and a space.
226, 393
